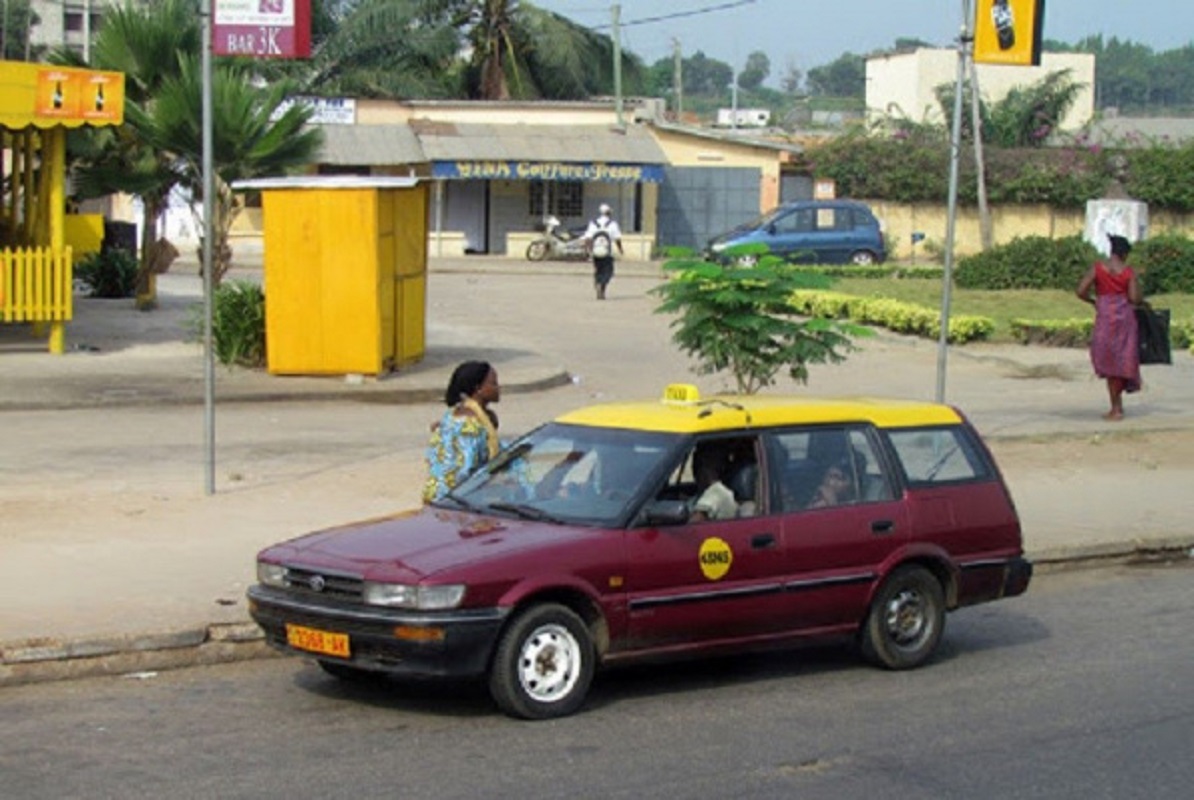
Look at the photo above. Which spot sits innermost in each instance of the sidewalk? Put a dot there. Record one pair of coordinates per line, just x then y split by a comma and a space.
114, 560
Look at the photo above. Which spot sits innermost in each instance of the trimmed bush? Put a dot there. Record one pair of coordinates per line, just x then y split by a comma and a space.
1164, 264
109, 273
1030, 262
894, 315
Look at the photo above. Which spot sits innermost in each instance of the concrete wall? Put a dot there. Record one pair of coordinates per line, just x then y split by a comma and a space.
900, 220
904, 85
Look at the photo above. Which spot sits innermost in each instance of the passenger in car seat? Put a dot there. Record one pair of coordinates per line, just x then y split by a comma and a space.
839, 485
714, 499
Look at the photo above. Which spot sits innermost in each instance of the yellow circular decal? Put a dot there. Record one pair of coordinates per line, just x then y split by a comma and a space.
716, 557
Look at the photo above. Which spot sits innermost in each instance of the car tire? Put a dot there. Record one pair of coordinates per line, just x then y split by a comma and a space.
544, 664
537, 250
906, 619
863, 258
746, 262
349, 673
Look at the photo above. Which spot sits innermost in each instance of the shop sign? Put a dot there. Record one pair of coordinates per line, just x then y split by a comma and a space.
262, 28
547, 171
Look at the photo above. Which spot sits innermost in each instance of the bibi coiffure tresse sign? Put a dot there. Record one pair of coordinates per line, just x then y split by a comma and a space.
261, 28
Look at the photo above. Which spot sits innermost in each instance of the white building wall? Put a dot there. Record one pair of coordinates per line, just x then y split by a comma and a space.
904, 85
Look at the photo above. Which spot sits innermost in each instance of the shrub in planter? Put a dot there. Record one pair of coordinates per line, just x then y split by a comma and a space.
109, 273
237, 324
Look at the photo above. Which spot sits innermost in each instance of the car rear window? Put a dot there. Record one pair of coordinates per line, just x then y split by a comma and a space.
930, 456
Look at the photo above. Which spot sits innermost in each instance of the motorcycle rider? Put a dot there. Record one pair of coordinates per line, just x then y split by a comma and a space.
601, 237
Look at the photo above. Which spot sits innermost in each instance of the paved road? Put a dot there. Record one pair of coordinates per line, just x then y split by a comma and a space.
108, 539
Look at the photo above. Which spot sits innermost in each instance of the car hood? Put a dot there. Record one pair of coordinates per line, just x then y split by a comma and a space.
414, 545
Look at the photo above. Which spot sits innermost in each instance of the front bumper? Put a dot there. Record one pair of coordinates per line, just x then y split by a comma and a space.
455, 643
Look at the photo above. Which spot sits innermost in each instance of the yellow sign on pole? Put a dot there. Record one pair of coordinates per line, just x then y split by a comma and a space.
1008, 32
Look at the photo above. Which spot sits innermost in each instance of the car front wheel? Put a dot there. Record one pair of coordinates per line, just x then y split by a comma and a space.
544, 664
906, 619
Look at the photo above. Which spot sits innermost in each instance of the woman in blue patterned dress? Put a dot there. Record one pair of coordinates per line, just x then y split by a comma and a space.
466, 436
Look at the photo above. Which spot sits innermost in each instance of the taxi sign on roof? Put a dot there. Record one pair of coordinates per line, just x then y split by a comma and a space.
681, 393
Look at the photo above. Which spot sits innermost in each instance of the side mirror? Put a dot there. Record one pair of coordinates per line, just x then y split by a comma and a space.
666, 512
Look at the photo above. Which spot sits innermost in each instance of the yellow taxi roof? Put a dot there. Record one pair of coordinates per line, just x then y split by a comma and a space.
728, 412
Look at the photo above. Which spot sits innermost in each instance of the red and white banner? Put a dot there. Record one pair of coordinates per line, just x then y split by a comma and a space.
261, 28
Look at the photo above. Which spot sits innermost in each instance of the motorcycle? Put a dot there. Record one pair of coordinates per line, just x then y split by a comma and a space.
558, 243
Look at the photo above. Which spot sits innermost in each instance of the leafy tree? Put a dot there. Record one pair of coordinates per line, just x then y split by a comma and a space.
757, 68
19, 17
146, 45
412, 48
791, 79
706, 76
254, 134
739, 319
844, 77
1025, 117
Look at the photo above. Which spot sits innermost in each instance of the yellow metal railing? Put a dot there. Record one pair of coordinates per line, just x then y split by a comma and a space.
36, 287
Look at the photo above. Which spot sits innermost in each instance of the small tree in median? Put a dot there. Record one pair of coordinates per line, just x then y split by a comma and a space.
739, 319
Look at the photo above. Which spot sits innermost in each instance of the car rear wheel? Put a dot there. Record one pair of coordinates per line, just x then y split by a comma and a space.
747, 262
863, 258
544, 664
906, 619
537, 250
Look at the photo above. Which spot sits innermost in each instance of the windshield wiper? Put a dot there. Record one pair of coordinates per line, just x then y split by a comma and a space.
467, 506
525, 511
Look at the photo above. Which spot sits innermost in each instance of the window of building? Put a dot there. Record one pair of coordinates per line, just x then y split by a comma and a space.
558, 198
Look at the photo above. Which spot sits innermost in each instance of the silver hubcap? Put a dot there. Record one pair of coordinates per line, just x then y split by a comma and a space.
906, 618
549, 664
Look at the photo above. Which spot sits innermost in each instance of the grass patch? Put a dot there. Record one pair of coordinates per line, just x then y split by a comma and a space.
1001, 306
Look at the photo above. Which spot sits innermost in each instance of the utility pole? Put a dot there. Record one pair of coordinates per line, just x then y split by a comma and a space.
976, 119
4, 33
677, 77
87, 31
616, 13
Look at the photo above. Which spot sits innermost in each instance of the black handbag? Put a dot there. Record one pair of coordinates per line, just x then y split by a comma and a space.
1153, 335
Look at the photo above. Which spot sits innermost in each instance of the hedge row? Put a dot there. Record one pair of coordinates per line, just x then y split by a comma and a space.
1076, 333
894, 315
1163, 263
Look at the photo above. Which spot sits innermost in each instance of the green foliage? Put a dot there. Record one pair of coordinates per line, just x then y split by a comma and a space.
738, 319
1053, 333
843, 77
896, 316
238, 324
1164, 264
1160, 176
108, 273
1030, 262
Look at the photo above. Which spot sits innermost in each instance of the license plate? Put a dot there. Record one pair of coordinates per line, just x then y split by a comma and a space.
317, 641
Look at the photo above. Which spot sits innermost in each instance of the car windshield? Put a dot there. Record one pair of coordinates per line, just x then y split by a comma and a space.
570, 474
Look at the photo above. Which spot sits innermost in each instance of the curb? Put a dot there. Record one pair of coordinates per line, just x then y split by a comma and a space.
140, 655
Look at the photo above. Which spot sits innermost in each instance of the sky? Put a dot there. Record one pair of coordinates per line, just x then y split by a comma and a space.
811, 34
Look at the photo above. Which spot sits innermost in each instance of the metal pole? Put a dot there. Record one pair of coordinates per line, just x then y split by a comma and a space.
984, 213
955, 147
616, 11
87, 31
209, 372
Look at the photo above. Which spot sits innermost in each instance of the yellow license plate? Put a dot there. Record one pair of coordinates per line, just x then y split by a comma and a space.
317, 641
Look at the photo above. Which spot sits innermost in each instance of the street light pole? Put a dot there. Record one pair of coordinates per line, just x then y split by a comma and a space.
955, 147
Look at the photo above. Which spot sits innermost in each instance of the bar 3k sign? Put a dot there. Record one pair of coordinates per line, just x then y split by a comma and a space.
262, 28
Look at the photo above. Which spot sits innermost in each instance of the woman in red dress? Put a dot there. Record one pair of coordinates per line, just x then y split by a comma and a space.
1113, 346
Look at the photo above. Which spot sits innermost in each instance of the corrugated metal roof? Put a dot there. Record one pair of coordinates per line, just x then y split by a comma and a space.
443, 141
373, 145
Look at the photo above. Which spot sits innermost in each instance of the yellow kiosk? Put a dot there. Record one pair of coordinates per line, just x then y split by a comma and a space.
38, 102
345, 273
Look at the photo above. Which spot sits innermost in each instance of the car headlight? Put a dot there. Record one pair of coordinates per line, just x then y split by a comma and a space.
421, 598
717, 247
271, 574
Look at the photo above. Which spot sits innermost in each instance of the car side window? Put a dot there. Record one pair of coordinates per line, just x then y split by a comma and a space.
939, 455
718, 478
799, 221
828, 466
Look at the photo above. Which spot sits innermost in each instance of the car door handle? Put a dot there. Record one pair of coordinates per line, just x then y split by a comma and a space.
882, 527
762, 541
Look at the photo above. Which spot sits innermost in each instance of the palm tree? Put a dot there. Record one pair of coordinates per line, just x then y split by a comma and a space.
482, 49
145, 44
255, 133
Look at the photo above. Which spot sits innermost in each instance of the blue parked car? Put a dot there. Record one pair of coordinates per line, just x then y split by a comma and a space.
809, 231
